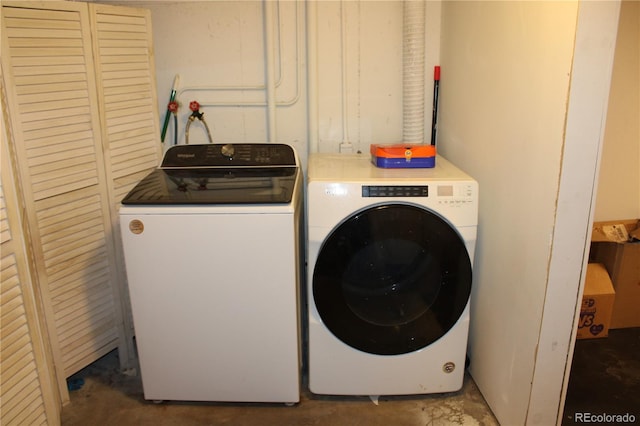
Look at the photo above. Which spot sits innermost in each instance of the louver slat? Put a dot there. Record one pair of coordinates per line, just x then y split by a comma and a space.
5, 233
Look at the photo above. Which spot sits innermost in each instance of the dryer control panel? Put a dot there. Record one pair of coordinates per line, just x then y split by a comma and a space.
442, 191
395, 190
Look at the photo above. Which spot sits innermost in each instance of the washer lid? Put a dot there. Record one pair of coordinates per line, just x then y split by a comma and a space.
220, 174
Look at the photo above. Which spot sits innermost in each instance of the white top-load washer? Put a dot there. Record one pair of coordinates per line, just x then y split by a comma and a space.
389, 276
211, 242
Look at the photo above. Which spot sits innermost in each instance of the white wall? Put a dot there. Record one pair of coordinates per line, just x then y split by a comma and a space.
505, 84
373, 73
373, 62
218, 50
619, 183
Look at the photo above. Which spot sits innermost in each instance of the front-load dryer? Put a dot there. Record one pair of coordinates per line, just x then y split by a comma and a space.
389, 276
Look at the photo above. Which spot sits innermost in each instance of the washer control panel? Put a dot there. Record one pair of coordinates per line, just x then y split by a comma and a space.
229, 155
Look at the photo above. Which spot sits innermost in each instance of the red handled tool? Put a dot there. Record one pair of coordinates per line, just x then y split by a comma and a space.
436, 89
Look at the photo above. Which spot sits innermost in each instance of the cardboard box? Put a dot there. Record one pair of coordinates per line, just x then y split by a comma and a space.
622, 260
597, 303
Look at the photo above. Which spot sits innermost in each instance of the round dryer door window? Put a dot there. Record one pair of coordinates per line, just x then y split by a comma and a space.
392, 279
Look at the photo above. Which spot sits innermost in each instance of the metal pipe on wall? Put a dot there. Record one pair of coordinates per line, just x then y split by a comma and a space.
270, 77
299, 17
312, 75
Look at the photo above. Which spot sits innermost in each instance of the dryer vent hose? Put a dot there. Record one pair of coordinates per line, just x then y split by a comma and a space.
413, 72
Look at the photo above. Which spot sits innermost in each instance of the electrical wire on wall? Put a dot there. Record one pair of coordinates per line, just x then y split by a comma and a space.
346, 146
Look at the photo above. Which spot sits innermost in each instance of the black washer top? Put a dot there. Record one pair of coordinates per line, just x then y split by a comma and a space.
257, 173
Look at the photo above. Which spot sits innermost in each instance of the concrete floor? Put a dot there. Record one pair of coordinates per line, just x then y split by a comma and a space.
109, 397
605, 377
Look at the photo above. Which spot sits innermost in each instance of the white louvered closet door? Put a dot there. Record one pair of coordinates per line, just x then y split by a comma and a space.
53, 105
27, 392
124, 62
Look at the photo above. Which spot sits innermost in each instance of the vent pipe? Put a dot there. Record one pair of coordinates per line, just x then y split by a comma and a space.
413, 73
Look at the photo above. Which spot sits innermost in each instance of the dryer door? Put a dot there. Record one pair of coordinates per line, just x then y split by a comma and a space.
392, 279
